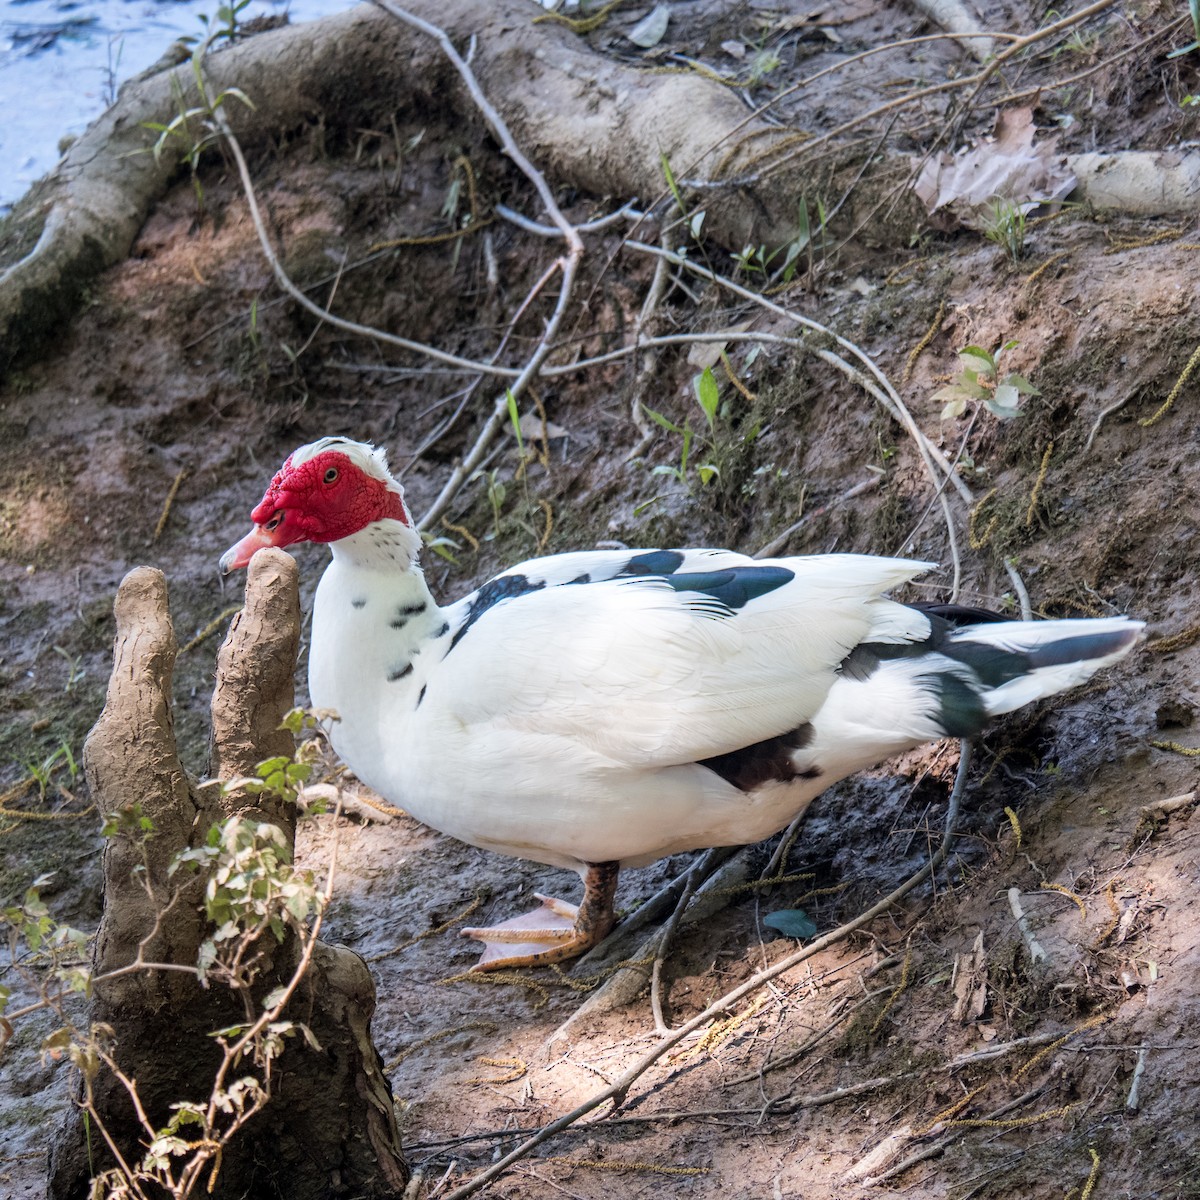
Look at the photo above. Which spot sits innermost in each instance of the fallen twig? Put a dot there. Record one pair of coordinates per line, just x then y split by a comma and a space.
870, 378
1105, 413
1133, 1099
1162, 808
902, 1136
567, 264
1010, 565
664, 942
952, 16
1037, 952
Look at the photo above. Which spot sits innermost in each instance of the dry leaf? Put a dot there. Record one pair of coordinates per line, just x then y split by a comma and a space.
652, 28
964, 187
708, 354
532, 429
970, 983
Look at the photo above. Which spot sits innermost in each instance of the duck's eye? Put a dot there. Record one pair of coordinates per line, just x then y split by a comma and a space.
273, 523
331, 475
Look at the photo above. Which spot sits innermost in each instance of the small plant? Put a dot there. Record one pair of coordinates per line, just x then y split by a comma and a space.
41, 772
1004, 224
717, 442
695, 221
75, 672
763, 62
757, 260
708, 395
442, 546
229, 27
980, 380
497, 493
180, 128
112, 69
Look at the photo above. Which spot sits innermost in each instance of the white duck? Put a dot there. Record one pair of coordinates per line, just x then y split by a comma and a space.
606, 708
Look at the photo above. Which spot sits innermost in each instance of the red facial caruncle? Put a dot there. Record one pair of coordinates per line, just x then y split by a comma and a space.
323, 499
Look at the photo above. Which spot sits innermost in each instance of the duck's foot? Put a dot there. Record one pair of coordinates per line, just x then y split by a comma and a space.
555, 931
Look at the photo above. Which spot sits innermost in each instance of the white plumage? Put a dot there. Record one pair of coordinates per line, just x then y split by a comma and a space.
606, 708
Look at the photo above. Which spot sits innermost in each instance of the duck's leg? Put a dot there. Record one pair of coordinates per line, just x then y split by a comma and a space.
555, 931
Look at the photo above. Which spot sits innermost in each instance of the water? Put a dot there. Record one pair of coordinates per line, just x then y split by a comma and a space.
61, 62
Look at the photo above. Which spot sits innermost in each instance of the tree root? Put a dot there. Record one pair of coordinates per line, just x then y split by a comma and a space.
330, 1121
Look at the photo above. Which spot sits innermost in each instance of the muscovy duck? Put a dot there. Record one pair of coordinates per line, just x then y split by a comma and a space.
605, 708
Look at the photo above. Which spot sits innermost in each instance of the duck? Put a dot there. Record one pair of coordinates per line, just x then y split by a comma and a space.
602, 709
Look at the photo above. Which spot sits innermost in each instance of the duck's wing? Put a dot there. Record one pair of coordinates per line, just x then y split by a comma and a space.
669, 660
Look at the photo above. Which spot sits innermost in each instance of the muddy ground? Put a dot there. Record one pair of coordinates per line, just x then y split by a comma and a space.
185, 360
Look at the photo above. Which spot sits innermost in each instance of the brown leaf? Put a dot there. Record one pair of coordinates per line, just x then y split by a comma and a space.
970, 984
1010, 165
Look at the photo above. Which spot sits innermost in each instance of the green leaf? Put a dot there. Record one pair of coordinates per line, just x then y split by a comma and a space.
310, 1037
273, 998
660, 420
977, 358
1021, 384
515, 418
708, 393
708, 472
791, 922
293, 720
56, 1043
1004, 402
669, 175
954, 409
950, 392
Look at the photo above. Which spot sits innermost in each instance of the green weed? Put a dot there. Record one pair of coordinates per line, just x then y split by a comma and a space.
194, 127
980, 380
75, 672
810, 240
1005, 226
42, 771
715, 440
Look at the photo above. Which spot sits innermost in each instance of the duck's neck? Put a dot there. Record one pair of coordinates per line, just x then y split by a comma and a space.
386, 545
373, 624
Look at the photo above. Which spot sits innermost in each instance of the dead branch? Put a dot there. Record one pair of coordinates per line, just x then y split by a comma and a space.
1037, 953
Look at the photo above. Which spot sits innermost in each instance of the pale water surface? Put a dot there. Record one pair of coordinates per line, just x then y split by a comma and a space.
61, 62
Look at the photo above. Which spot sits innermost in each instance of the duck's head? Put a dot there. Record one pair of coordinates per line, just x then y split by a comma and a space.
324, 492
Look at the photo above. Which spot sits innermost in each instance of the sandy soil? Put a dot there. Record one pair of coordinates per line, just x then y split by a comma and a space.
944, 1035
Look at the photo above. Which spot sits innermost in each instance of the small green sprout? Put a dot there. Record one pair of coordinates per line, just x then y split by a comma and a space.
980, 380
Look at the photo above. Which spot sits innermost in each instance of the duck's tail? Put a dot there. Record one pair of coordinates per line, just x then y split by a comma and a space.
1007, 664
892, 696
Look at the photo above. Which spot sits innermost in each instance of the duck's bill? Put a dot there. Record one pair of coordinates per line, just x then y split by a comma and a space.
239, 555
